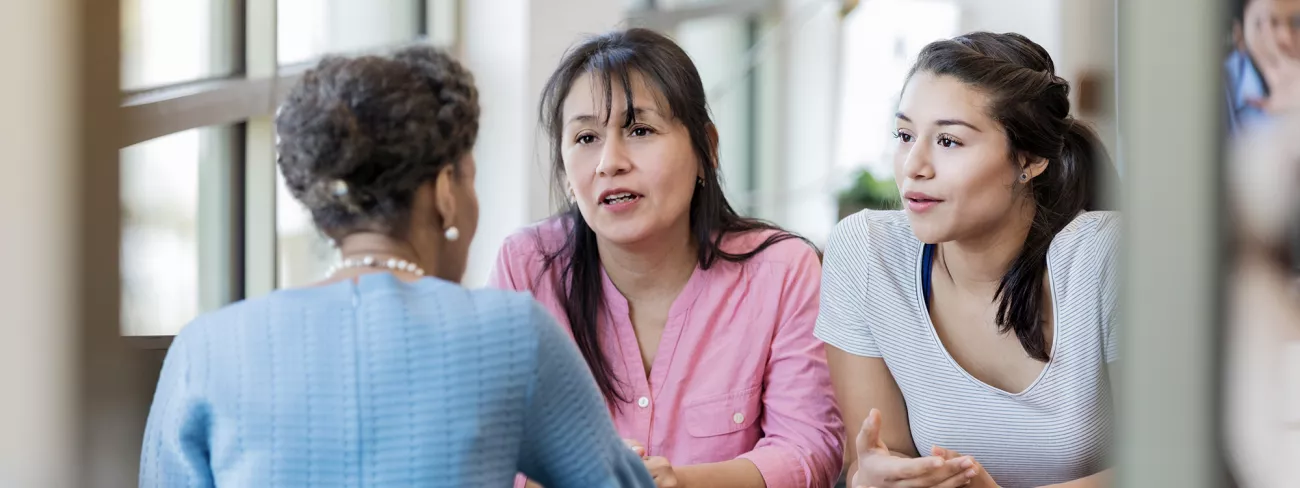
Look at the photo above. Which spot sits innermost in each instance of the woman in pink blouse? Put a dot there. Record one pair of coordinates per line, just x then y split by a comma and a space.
696, 322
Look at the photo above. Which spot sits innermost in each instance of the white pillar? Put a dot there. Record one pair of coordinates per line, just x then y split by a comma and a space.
512, 46
37, 354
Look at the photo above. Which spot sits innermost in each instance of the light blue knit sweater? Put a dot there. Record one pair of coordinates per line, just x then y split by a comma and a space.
381, 383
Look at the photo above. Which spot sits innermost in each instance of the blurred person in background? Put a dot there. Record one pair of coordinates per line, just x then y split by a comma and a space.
1262, 377
973, 334
388, 372
696, 322
1262, 72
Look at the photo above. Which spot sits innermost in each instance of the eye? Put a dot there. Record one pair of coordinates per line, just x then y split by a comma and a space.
641, 131
585, 139
949, 142
903, 136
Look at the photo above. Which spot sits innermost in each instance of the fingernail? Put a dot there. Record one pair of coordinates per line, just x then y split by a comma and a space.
937, 463
968, 462
970, 473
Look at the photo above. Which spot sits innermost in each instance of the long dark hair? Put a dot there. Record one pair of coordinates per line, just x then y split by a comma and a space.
612, 57
1032, 103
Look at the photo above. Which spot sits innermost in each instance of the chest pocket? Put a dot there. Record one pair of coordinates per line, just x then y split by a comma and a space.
723, 414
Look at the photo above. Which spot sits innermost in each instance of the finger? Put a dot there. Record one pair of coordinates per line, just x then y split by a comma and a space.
938, 474
899, 469
869, 435
958, 480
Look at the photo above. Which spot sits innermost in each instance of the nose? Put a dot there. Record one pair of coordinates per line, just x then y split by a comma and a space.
613, 159
916, 164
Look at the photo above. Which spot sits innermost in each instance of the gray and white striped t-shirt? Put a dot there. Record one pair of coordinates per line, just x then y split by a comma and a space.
1060, 427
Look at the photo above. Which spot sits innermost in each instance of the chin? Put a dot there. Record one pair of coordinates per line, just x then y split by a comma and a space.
623, 232
928, 230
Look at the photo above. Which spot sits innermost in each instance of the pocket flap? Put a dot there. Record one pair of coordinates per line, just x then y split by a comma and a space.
723, 414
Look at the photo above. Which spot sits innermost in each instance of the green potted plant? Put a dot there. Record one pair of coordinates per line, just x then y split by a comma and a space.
868, 192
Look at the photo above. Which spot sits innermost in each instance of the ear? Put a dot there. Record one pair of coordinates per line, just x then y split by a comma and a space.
1034, 167
712, 131
444, 194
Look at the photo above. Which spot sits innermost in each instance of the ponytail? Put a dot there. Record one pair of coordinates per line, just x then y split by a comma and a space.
1069, 185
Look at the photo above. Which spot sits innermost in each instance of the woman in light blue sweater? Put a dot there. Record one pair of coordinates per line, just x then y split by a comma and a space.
387, 373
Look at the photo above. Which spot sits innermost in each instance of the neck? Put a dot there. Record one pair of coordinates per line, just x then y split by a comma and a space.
381, 247
654, 268
978, 263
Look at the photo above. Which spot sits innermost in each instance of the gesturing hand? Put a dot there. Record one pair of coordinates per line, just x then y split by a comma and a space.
980, 477
879, 468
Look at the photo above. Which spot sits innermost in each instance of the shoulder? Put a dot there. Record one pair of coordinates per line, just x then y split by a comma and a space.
1091, 232
871, 233
788, 249
545, 237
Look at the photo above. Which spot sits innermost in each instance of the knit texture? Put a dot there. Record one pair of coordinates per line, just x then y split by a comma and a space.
380, 383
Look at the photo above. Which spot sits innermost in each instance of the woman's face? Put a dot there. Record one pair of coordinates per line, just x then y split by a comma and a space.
631, 183
952, 164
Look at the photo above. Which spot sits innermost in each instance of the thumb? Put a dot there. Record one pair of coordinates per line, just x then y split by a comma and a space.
869, 436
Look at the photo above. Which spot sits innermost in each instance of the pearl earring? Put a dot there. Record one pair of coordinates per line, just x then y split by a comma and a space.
452, 233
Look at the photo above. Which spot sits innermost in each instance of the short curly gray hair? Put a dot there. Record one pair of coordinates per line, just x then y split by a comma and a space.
357, 136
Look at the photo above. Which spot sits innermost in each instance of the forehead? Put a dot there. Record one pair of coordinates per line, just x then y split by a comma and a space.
928, 97
587, 95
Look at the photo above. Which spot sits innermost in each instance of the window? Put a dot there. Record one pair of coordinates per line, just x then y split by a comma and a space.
310, 28
171, 41
206, 220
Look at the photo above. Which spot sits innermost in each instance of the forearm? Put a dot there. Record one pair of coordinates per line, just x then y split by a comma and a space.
1103, 479
737, 473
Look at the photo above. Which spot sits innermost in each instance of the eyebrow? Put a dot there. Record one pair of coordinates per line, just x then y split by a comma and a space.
941, 122
637, 112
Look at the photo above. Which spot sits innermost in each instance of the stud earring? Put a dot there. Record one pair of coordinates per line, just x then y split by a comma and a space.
1024, 177
451, 234
699, 180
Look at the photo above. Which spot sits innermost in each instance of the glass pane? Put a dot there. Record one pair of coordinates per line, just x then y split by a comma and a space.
305, 255
172, 41
720, 46
160, 261
310, 28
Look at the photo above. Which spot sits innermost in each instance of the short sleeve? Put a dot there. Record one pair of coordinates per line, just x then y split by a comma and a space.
505, 273
842, 321
1107, 245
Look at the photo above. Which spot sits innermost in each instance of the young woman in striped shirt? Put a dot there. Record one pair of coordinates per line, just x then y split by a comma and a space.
976, 327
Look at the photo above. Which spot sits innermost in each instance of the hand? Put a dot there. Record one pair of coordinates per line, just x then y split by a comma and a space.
635, 446
1281, 72
978, 476
879, 468
662, 472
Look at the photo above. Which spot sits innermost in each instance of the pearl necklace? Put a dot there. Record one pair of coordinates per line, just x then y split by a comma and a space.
394, 264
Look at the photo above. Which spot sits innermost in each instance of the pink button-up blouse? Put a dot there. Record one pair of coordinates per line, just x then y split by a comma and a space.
738, 373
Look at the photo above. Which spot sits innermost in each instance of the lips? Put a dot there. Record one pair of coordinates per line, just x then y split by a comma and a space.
919, 202
618, 196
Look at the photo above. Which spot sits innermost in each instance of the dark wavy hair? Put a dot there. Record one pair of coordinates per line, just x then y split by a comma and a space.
1032, 104
379, 127
613, 58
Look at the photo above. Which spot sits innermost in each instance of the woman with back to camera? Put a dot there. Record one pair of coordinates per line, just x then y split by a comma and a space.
387, 373
696, 322
976, 327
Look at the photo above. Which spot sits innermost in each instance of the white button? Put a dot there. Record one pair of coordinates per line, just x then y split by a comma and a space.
643, 402
738, 418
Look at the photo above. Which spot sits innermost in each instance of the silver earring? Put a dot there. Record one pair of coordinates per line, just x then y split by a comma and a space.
1024, 177
452, 233
699, 180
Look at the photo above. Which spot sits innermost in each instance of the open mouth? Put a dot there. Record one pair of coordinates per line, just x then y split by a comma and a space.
617, 198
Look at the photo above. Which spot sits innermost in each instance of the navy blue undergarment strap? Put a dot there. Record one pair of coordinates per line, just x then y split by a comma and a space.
927, 265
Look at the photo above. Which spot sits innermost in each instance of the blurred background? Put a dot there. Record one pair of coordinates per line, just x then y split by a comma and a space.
142, 189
